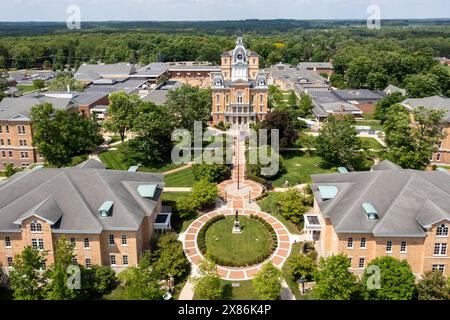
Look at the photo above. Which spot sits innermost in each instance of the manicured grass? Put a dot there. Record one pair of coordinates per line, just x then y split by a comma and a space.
253, 242
171, 199
269, 205
245, 291
26, 88
370, 143
114, 160
374, 124
117, 294
182, 178
298, 168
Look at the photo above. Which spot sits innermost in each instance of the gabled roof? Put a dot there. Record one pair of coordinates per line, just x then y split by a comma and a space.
434, 102
386, 165
398, 196
72, 196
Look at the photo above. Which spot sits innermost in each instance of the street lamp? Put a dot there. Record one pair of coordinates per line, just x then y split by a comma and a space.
302, 281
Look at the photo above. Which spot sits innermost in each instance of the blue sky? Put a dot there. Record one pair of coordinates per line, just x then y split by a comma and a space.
98, 10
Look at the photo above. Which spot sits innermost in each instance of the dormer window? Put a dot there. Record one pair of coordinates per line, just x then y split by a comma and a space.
147, 190
442, 231
327, 192
105, 209
370, 211
35, 226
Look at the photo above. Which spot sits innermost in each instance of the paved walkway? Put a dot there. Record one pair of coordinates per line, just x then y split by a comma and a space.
178, 169
278, 258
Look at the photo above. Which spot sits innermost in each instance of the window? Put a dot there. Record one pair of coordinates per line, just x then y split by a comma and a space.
363, 243
239, 98
8, 242
10, 154
86, 242
9, 142
438, 267
88, 263
261, 98
403, 247
111, 240
350, 259
217, 98
350, 243
35, 227
362, 263
125, 260
10, 262
74, 261
440, 249
389, 246
4, 154
438, 157
21, 129
442, 231
73, 241
113, 260
2, 142
37, 244
261, 108
24, 155
43, 266
7, 129
124, 240
1, 129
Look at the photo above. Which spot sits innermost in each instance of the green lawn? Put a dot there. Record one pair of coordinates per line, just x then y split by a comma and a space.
254, 241
298, 168
370, 143
114, 159
182, 178
26, 88
244, 291
114, 139
269, 205
170, 199
374, 124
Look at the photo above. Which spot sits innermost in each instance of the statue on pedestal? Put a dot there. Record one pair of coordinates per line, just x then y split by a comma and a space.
237, 226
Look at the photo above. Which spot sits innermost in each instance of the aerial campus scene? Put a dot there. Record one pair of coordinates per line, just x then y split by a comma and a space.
225, 150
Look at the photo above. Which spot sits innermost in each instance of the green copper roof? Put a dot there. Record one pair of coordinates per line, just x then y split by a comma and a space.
328, 192
342, 170
147, 190
133, 168
105, 208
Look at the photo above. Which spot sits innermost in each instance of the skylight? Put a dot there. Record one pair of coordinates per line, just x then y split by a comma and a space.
371, 212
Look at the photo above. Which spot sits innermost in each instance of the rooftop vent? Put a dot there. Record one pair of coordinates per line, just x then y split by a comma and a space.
106, 209
371, 212
328, 192
147, 191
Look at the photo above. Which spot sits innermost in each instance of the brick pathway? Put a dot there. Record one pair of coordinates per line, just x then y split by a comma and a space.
278, 258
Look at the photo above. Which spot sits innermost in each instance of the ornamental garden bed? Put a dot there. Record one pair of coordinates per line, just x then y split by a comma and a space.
254, 245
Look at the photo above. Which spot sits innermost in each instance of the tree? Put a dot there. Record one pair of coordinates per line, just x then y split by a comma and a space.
60, 135
122, 112
292, 100
64, 81
433, 286
334, 281
98, 280
57, 288
442, 72
306, 105
211, 172
397, 282
26, 279
140, 282
9, 170
294, 204
422, 85
153, 126
208, 285
411, 144
169, 259
39, 84
275, 98
204, 194
358, 71
3, 85
301, 266
267, 282
382, 106
189, 104
377, 80
337, 143
282, 121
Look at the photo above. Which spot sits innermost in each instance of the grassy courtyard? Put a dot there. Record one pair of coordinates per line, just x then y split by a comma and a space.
242, 290
182, 178
253, 242
298, 168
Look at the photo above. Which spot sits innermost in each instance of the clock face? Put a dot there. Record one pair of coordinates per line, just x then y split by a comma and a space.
239, 56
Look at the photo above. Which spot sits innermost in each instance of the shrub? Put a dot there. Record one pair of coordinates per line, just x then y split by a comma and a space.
211, 172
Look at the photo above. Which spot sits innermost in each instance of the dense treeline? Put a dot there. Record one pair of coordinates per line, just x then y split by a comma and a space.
288, 43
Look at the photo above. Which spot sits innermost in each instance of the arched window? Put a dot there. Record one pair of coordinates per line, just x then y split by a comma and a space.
35, 226
442, 231
239, 97
218, 98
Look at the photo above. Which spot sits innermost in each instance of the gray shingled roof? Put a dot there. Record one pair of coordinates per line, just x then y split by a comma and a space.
386, 165
75, 195
159, 94
89, 72
397, 195
319, 65
11, 108
360, 94
434, 102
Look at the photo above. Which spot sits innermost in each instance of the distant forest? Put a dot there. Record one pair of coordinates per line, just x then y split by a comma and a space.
363, 58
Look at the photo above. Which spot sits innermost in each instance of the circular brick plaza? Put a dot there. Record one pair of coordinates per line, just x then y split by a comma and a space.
238, 197
278, 258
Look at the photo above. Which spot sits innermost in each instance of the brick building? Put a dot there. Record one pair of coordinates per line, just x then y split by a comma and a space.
109, 215
240, 91
388, 211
